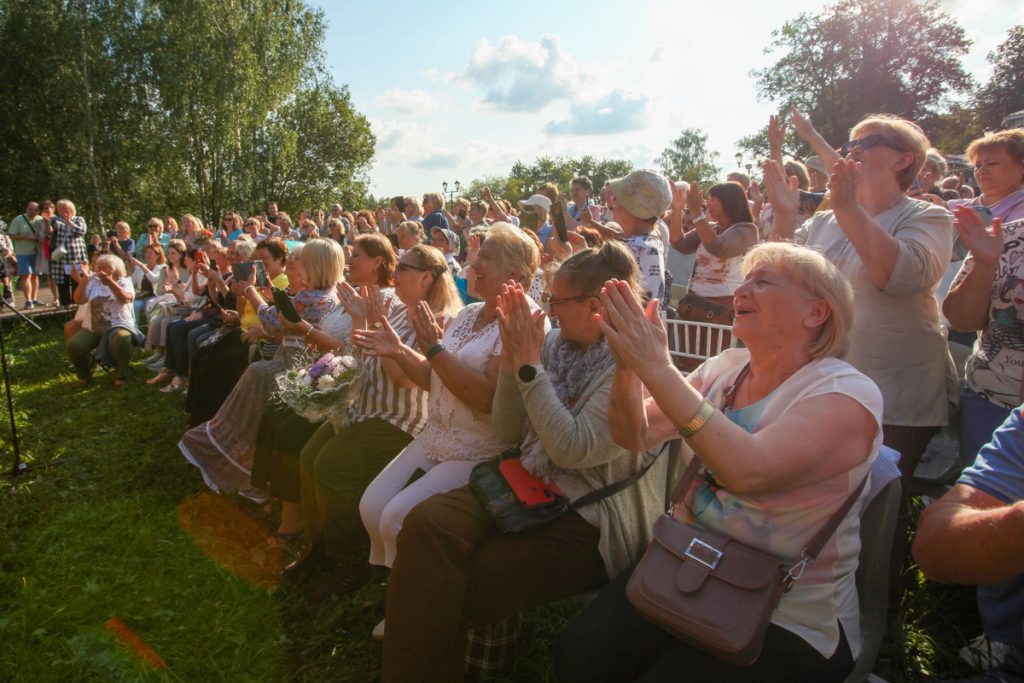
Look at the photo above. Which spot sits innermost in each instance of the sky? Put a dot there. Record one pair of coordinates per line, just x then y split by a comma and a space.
455, 91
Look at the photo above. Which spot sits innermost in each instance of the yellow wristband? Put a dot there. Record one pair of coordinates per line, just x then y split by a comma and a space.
698, 421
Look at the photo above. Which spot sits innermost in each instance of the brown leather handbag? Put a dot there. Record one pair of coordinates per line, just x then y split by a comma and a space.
712, 591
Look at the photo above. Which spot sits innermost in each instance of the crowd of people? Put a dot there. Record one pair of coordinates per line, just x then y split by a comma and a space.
535, 335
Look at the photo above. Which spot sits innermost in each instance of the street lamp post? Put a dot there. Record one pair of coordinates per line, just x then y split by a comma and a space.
739, 159
450, 195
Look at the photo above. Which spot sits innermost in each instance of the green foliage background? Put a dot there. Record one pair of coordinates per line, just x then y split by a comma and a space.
135, 108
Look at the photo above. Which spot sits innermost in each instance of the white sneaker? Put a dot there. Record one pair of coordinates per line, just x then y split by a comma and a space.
378, 632
984, 654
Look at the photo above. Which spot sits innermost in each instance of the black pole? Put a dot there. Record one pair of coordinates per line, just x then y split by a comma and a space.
17, 466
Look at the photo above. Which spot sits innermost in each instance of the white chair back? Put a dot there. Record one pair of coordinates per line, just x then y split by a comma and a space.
696, 340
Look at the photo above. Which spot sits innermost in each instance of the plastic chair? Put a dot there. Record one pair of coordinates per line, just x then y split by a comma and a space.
696, 340
877, 526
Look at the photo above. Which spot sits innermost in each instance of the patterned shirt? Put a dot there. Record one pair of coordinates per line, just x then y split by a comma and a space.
71, 236
380, 398
649, 253
994, 369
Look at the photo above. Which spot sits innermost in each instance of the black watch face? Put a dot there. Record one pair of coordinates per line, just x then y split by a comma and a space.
527, 373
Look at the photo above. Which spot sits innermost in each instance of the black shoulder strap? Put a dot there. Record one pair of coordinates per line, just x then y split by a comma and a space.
612, 489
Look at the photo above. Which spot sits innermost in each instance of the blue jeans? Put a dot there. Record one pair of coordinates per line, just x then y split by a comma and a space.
979, 418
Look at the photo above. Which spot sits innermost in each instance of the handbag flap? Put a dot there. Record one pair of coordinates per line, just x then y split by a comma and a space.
706, 553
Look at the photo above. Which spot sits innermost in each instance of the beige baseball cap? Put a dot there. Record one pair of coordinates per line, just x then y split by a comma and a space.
643, 193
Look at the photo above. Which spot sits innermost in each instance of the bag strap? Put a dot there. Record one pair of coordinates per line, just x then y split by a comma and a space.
818, 541
612, 489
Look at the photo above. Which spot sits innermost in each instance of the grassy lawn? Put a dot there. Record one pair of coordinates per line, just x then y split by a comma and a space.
122, 529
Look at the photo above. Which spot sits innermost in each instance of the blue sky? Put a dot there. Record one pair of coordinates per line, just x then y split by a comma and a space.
456, 91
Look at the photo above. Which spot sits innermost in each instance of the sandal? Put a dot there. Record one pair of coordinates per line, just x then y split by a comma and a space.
172, 387
160, 377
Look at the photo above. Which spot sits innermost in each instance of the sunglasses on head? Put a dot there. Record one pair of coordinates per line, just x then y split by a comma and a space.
869, 141
436, 270
551, 301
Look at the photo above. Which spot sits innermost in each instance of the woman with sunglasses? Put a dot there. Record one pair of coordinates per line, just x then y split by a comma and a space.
455, 569
894, 250
388, 412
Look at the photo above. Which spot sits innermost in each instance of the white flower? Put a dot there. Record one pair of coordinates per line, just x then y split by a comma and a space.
326, 382
305, 380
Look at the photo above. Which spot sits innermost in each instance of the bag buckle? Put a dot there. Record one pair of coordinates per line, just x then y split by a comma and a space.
705, 554
796, 571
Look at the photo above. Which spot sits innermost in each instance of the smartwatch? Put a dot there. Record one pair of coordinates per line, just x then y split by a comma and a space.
528, 373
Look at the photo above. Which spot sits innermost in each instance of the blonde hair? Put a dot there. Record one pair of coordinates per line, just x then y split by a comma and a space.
66, 203
123, 225
115, 263
323, 263
514, 250
195, 221
905, 134
817, 276
1012, 140
586, 271
413, 229
443, 296
436, 198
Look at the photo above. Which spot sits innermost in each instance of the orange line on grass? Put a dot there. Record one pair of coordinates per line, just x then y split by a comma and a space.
133, 642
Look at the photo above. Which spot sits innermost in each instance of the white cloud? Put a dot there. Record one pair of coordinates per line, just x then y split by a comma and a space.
438, 160
617, 112
521, 76
407, 102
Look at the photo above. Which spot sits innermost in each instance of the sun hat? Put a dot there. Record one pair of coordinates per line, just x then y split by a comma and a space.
536, 200
643, 193
814, 163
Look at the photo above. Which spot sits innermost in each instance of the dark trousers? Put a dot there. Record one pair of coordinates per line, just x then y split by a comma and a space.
83, 342
335, 469
455, 570
66, 290
610, 641
176, 351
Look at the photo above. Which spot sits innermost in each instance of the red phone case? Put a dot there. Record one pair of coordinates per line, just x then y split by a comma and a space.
528, 489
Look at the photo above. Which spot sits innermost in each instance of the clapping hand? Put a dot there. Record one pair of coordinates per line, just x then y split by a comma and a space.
353, 302
695, 198
376, 308
776, 134
428, 330
783, 192
382, 341
801, 124
522, 330
986, 246
842, 184
636, 335
472, 249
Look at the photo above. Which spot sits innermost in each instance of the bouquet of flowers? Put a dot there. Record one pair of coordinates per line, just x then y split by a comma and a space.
322, 389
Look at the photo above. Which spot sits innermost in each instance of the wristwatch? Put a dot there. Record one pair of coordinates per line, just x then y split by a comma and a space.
699, 217
528, 373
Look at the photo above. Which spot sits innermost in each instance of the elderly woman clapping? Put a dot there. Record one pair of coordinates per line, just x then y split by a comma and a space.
785, 432
109, 322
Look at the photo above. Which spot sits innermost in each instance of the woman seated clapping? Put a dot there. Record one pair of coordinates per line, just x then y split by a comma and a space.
387, 413
454, 568
459, 365
788, 432
109, 322
222, 448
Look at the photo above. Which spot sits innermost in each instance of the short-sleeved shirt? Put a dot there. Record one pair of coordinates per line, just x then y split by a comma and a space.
649, 252
114, 312
22, 227
995, 367
999, 471
435, 220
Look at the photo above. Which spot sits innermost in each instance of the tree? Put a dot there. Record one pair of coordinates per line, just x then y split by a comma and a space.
1004, 92
524, 179
148, 107
865, 56
688, 158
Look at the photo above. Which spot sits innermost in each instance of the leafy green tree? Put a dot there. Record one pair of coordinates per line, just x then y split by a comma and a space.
864, 56
146, 107
688, 158
1004, 92
524, 179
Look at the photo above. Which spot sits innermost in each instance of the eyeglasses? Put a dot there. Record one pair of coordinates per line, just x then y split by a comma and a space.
546, 298
869, 141
153, 226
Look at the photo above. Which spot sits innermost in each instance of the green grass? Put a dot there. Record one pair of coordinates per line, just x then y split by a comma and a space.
98, 536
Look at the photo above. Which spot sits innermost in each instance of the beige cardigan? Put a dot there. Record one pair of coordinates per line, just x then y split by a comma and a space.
896, 338
580, 446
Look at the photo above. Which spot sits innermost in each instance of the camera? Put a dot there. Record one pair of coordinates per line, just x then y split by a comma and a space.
111, 234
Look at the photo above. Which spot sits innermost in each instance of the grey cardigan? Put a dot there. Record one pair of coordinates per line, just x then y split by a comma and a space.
579, 445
